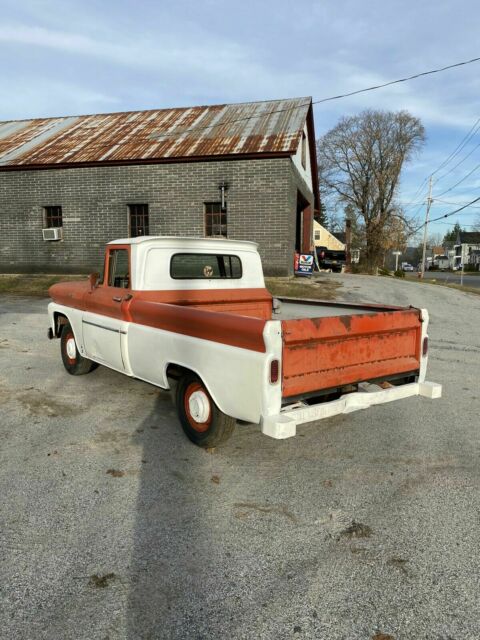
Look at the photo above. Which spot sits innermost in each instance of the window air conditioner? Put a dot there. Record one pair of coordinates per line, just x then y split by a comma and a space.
53, 233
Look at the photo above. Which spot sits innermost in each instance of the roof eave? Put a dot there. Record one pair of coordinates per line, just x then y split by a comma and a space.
142, 161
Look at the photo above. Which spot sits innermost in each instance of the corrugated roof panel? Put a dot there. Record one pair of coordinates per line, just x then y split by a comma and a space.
236, 129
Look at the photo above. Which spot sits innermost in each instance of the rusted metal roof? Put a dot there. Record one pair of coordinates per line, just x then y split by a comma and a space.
159, 135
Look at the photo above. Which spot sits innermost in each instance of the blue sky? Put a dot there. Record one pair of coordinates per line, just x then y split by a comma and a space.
65, 57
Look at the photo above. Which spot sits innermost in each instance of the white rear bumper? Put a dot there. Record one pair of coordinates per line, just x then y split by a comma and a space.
284, 424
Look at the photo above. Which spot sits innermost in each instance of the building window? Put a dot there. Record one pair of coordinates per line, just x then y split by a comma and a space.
53, 217
215, 219
317, 235
304, 150
138, 220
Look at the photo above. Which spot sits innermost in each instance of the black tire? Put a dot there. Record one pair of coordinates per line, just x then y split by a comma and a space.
74, 363
216, 428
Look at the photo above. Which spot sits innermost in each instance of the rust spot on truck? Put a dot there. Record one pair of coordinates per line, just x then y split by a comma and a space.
347, 321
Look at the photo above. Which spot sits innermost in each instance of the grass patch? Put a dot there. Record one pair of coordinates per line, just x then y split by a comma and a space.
440, 283
28, 284
317, 288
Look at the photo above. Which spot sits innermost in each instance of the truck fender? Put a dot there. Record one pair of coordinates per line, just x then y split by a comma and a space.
179, 369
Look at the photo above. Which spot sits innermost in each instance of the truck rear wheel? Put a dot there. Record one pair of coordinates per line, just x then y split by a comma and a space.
201, 419
73, 362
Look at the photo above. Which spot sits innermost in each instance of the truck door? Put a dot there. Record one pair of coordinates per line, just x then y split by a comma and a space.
102, 321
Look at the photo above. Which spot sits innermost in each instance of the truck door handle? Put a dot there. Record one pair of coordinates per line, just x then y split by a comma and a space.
127, 297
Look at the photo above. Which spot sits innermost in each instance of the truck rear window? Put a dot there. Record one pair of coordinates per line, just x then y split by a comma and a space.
205, 266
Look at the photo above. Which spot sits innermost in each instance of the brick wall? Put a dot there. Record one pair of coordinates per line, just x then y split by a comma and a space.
261, 203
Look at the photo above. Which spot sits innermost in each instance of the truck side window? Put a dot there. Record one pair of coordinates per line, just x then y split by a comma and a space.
118, 269
201, 266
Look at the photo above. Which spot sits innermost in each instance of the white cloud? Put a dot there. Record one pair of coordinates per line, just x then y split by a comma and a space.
74, 100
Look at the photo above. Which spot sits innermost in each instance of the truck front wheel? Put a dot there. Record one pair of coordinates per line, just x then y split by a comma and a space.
201, 419
73, 362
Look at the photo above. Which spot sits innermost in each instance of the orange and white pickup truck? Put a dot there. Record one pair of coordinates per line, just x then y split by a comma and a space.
193, 315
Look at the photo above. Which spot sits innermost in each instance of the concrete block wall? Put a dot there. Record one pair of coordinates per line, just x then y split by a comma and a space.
261, 202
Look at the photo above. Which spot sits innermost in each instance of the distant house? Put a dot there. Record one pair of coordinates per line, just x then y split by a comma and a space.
341, 236
323, 238
465, 250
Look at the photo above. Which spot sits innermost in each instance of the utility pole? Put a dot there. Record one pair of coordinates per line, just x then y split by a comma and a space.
429, 203
396, 254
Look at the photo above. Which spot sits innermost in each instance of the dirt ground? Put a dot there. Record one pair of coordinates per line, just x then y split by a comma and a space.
114, 526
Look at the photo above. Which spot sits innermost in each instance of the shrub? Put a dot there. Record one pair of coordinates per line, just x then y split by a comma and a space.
399, 273
384, 272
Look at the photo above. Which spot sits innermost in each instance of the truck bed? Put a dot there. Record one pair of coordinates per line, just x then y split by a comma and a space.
329, 345
296, 308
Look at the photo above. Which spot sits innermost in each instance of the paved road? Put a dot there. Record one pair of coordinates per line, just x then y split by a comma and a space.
453, 278
113, 526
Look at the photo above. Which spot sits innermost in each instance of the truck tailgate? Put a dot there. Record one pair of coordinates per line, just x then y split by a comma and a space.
327, 352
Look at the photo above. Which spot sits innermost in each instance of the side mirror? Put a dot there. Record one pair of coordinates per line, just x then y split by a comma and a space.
93, 279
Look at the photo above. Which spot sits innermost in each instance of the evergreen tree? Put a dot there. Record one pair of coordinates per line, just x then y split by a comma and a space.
451, 236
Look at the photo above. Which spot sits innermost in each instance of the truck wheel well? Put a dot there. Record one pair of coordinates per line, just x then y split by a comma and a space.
176, 371
59, 319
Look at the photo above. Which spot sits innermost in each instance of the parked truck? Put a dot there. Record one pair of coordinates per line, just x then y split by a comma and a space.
193, 315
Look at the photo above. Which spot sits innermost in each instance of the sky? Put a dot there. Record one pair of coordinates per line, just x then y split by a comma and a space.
65, 57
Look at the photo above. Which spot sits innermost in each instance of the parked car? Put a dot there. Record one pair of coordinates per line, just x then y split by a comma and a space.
193, 315
407, 267
331, 259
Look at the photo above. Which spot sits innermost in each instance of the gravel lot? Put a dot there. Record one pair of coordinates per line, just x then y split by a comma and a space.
113, 526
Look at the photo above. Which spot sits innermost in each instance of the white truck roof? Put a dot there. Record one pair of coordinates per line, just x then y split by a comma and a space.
151, 258
222, 244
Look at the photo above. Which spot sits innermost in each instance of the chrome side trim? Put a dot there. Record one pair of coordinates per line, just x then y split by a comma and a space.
102, 326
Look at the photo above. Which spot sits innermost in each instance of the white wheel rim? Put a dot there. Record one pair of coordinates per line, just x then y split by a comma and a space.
199, 406
71, 348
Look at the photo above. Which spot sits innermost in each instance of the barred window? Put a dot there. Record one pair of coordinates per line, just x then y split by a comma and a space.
53, 216
138, 220
215, 219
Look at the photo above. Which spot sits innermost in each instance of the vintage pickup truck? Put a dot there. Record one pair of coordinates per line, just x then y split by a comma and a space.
194, 315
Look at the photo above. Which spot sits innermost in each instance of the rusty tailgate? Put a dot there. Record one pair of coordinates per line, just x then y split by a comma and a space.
323, 353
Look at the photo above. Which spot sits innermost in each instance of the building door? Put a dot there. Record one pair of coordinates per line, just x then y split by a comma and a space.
303, 225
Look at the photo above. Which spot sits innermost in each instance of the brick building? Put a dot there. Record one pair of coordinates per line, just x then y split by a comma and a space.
244, 171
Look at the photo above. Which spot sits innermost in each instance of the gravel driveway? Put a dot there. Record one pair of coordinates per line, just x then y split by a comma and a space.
113, 526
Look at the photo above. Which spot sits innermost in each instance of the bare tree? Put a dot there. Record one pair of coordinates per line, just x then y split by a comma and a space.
360, 162
477, 223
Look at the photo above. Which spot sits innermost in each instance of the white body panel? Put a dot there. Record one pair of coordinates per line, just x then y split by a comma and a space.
230, 374
284, 425
102, 339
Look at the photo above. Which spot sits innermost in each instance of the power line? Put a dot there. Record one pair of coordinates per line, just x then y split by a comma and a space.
446, 215
449, 224
292, 108
466, 138
387, 84
458, 163
454, 203
460, 181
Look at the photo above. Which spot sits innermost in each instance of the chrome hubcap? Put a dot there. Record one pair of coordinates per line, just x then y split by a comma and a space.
71, 348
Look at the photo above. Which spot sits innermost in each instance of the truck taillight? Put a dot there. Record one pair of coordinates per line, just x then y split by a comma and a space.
274, 369
425, 346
